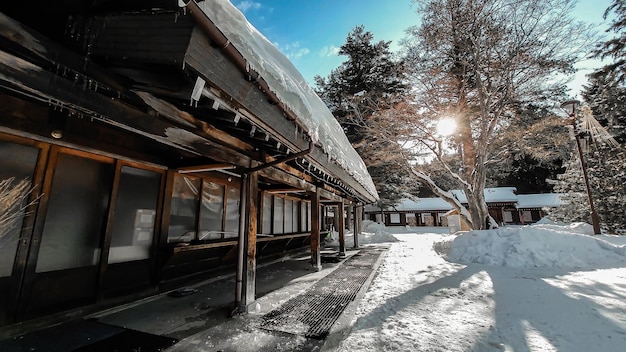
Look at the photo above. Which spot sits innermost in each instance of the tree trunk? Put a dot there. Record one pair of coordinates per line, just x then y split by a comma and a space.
475, 175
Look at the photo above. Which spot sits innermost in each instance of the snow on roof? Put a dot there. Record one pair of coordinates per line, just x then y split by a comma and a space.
492, 195
421, 204
551, 200
289, 86
501, 194
424, 204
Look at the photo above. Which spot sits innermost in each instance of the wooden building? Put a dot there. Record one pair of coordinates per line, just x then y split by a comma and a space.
501, 203
420, 212
532, 207
504, 205
164, 141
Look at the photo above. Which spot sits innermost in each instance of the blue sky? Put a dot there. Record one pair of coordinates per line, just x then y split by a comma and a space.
310, 32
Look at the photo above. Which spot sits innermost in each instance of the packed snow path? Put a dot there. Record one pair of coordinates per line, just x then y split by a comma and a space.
421, 302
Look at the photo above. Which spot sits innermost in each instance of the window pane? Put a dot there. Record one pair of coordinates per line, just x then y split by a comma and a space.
212, 211
296, 216
184, 209
267, 214
17, 162
135, 215
304, 220
288, 216
232, 213
77, 211
308, 216
278, 215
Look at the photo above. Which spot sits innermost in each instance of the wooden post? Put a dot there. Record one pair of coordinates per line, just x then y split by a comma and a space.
316, 258
251, 232
349, 218
342, 229
247, 252
357, 224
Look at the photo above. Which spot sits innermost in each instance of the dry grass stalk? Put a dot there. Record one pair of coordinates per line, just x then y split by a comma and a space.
12, 203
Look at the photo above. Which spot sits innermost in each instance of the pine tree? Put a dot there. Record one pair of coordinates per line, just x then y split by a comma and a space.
606, 96
369, 81
615, 47
522, 155
574, 202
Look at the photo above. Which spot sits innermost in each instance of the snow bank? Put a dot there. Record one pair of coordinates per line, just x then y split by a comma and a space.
540, 245
374, 232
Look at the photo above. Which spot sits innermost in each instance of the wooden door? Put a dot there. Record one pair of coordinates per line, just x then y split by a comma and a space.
63, 267
21, 173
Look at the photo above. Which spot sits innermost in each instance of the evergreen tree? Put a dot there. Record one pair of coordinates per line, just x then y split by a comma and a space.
570, 184
605, 95
606, 171
615, 47
523, 157
369, 81
607, 100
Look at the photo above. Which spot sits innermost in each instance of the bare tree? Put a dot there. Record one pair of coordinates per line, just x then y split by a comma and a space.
478, 62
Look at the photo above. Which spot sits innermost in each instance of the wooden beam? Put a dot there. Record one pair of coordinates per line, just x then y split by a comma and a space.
31, 80
283, 190
329, 196
204, 246
281, 237
184, 118
282, 176
205, 168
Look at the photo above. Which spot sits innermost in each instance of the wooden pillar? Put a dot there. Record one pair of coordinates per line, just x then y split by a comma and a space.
357, 224
349, 218
246, 265
316, 258
342, 229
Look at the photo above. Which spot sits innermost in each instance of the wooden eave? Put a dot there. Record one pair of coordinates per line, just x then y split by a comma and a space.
126, 49
409, 211
37, 68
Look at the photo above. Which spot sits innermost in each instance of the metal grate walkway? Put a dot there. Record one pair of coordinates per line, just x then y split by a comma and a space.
313, 313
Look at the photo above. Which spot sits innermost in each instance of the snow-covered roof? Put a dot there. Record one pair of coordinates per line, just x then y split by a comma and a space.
421, 204
492, 195
286, 82
550, 200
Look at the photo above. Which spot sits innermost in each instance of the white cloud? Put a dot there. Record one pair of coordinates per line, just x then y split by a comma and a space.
329, 50
293, 50
247, 5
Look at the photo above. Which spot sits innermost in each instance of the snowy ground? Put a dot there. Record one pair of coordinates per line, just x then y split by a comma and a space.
545, 287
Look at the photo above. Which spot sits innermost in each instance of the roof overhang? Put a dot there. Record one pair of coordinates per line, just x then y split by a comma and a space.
231, 118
